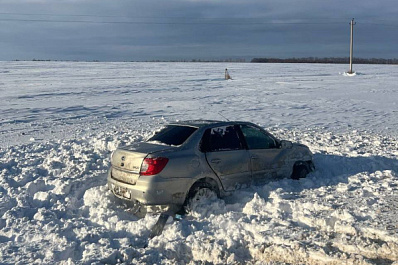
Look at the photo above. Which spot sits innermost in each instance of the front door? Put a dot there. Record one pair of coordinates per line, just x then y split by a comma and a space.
267, 159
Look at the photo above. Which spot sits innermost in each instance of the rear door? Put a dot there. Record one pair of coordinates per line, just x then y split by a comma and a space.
227, 157
267, 159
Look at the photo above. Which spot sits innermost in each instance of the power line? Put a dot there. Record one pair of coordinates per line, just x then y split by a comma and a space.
165, 23
190, 21
164, 17
365, 19
54, 15
379, 24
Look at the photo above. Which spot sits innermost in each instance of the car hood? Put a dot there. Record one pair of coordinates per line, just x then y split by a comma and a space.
302, 152
300, 145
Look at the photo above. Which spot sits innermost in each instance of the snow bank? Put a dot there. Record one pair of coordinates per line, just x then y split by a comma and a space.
55, 208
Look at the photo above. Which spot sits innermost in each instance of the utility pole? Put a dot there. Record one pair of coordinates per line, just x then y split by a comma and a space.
351, 44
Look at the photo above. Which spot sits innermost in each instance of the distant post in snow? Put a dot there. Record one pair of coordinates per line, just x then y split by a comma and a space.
351, 44
227, 76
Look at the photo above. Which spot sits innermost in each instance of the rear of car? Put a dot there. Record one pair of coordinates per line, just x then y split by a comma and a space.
143, 173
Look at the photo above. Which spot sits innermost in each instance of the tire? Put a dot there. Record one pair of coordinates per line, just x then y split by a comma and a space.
199, 196
300, 171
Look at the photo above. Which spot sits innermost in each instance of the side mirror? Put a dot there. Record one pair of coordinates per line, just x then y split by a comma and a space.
286, 144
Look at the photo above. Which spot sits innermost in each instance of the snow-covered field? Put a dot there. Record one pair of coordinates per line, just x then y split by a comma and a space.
60, 121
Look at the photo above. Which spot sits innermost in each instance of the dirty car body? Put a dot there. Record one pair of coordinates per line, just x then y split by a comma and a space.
222, 156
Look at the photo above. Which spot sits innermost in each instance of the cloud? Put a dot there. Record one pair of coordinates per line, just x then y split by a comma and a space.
181, 29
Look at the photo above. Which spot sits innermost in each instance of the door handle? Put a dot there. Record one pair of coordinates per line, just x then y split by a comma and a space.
216, 161
254, 157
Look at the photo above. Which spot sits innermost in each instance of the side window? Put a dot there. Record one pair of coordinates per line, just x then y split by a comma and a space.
257, 139
223, 138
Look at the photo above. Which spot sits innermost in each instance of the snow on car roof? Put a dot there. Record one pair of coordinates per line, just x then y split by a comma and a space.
202, 123
198, 123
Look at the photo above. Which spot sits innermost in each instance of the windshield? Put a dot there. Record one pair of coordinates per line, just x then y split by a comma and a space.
173, 135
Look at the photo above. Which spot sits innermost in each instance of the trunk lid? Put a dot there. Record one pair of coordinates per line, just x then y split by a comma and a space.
129, 158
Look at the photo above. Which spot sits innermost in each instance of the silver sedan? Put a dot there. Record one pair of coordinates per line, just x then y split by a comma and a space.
188, 159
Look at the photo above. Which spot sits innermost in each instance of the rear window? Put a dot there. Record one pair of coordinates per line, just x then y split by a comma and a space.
173, 135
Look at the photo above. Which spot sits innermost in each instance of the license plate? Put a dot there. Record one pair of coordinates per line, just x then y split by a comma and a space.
123, 192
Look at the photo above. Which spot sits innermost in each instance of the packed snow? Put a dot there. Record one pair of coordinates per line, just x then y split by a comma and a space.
61, 120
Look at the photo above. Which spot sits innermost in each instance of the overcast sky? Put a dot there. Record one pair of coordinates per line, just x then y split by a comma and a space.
132, 30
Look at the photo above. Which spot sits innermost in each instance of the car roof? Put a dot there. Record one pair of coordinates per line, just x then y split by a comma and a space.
205, 123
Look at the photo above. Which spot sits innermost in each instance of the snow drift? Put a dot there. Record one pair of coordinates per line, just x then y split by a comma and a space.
60, 122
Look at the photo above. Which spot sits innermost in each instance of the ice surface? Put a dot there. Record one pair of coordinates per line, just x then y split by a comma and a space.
61, 120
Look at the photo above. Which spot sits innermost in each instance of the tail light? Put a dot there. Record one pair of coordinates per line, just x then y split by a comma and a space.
153, 166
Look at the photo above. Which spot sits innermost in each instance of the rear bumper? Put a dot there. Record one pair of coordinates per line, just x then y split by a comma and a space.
152, 191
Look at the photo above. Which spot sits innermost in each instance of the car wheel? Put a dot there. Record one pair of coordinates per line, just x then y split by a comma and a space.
299, 171
199, 196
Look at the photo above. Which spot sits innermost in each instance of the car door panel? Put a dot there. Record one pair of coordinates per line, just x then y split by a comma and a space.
227, 157
266, 158
266, 165
232, 167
